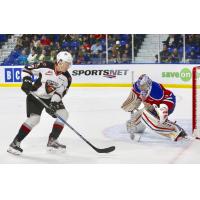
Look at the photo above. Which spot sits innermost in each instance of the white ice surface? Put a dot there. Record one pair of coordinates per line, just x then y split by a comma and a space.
96, 114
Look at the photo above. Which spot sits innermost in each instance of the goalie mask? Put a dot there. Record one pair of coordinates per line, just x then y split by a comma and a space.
144, 83
64, 61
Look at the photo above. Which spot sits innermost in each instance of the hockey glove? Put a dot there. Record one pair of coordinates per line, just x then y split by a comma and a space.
27, 84
162, 112
53, 107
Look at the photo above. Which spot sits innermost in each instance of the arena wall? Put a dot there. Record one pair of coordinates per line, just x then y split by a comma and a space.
117, 75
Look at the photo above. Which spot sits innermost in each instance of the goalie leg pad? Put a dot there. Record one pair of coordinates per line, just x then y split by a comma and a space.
134, 125
167, 129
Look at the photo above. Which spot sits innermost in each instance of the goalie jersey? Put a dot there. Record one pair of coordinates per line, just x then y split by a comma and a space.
157, 95
48, 84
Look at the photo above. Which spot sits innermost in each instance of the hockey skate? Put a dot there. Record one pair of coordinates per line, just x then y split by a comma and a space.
54, 146
182, 134
15, 148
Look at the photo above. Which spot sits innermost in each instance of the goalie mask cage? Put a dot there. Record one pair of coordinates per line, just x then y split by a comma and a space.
196, 99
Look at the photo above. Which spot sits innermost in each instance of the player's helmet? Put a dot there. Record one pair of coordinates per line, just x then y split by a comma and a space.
144, 83
64, 61
65, 57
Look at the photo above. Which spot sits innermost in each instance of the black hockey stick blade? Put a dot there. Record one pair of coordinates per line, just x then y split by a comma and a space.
106, 150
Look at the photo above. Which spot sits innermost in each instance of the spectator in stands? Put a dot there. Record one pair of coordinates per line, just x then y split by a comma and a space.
43, 56
164, 55
113, 59
53, 56
96, 52
32, 56
174, 56
22, 59
127, 50
36, 41
45, 41
116, 49
125, 58
96, 48
86, 46
31, 46
79, 58
86, 56
26, 42
57, 46
19, 45
191, 57
190, 40
174, 41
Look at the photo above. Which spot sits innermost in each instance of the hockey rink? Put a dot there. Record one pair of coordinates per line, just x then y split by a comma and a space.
96, 114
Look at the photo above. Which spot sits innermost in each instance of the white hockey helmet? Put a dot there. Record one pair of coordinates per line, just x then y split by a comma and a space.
144, 83
65, 57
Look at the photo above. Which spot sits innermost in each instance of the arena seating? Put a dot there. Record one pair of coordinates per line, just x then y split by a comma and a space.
91, 48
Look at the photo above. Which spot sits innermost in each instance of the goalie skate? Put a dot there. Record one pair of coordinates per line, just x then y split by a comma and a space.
15, 148
54, 146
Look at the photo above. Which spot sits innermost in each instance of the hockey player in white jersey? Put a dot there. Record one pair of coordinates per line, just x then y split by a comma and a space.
53, 81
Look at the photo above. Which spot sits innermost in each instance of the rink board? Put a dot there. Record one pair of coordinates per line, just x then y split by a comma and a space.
117, 75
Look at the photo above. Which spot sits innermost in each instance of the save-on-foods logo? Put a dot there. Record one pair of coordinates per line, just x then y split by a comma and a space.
185, 75
104, 73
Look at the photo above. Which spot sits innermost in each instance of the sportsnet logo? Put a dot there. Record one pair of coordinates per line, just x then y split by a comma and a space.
104, 73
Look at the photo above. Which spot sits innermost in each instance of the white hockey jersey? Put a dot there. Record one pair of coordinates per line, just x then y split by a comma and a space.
48, 84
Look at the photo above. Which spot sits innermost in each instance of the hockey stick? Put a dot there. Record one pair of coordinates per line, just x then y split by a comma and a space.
104, 150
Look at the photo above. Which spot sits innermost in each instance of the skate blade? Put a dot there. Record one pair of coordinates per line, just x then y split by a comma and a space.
53, 150
13, 151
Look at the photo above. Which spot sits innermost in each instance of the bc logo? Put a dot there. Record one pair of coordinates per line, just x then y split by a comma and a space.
13, 75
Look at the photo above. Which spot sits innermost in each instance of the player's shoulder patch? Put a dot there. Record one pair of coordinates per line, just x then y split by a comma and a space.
156, 91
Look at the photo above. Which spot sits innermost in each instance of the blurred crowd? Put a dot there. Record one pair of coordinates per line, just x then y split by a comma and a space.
93, 48
192, 48
173, 49
85, 48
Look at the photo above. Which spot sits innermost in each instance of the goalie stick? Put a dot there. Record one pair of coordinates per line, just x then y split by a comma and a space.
104, 150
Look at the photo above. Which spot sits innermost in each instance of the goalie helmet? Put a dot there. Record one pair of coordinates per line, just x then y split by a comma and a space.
144, 83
